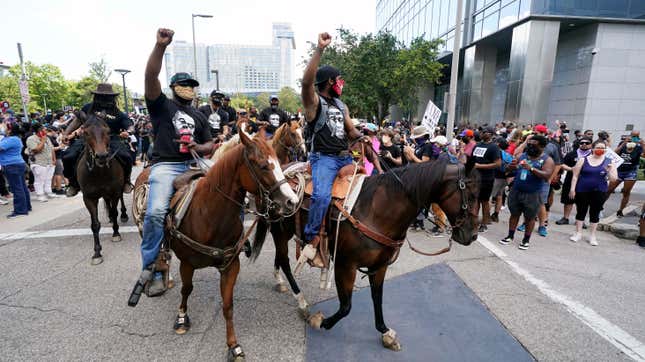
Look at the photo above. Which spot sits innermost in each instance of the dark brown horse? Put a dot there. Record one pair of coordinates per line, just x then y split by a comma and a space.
386, 205
213, 221
100, 175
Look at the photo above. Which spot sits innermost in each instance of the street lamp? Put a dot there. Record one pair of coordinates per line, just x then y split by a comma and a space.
194, 44
216, 72
125, 95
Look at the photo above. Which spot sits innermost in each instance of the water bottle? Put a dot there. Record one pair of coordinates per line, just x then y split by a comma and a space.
185, 135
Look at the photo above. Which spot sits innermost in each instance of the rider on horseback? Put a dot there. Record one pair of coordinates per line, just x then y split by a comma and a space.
174, 122
328, 124
104, 102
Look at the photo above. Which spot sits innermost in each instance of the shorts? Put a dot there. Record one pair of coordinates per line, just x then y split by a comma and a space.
524, 203
485, 189
498, 187
59, 167
564, 196
628, 175
544, 192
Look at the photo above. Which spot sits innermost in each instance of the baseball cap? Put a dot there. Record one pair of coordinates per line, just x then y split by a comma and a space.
440, 140
540, 128
217, 94
467, 133
183, 77
273, 96
325, 73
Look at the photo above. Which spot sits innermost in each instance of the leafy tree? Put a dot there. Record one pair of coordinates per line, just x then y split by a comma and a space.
46, 84
289, 100
239, 100
80, 91
262, 101
100, 71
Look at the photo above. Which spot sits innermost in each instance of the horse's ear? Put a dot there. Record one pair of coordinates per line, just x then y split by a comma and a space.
244, 137
262, 133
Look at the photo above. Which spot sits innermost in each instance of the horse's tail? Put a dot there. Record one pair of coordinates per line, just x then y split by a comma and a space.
260, 235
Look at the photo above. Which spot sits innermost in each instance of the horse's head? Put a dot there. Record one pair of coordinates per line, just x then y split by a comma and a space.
457, 199
289, 138
263, 175
97, 138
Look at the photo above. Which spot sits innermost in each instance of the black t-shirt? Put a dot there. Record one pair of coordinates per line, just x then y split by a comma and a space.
631, 159
59, 153
332, 138
394, 151
215, 120
423, 150
275, 118
570, 159
168, 118
486, 153
120, 123
232, 114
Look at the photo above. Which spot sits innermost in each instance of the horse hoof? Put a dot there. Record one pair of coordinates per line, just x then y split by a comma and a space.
182, 324
171, 283
98, 260
116, 238
124, 219
280, 288
304, 313
390, 341
316, 320
235, 354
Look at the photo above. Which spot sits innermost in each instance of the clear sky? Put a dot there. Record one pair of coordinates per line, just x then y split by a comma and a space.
72, 33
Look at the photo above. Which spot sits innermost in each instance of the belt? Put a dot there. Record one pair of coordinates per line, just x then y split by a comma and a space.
343, 153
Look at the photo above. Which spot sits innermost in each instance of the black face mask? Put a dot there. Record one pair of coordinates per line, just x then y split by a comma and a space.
178, 99
274, 107
532, 150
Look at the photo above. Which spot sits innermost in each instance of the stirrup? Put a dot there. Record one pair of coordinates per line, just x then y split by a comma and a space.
127, 188
307, 253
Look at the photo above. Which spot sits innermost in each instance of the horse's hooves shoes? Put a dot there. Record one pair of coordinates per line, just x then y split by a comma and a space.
316, 320
235, 354
71, 191
182, 324
97, 261
390, 341
155, 288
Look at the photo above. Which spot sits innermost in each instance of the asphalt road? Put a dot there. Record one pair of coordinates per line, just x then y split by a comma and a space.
560, 300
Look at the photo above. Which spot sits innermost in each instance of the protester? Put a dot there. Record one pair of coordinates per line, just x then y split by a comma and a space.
630, 149
42, 160
589, 186
641, 238
14, 168
500, 183
57, 181
487, 157
389, 152
273, 115
370, 130
217, 116
569, 161
533, 168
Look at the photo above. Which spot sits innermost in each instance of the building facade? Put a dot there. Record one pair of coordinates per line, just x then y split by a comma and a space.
579, 61
247, 69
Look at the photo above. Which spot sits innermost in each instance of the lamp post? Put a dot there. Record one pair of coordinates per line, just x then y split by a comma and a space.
123, 72
194, 44
454, 71
216, 72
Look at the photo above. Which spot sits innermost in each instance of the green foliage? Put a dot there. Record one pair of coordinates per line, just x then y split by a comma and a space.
239, 100
80, 91
289, 100
100, 71
262, 101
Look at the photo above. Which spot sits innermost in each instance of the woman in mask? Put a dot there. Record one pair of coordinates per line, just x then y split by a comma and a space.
589, 188
568, 163
14, 168
422, 152
630, 150
42, 161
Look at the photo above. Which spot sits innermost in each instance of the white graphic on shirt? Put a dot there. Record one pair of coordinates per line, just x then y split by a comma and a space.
215, 120
479, 151
182, 120
336, 123
274, 119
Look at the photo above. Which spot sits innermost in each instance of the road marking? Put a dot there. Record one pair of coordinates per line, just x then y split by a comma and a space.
607, 330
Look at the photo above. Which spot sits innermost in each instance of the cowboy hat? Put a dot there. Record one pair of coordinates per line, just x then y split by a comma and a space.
419, 131
105, 89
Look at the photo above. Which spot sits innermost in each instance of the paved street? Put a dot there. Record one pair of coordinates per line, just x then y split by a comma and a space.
560, 300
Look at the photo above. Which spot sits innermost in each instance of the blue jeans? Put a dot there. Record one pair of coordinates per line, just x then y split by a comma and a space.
323, 171
16, 176
161, 190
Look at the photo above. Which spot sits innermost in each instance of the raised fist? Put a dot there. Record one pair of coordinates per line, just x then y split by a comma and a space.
324, 39
164, 36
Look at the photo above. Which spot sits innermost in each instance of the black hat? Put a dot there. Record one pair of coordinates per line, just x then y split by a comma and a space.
183, 77
105, 89
325, 73
217, 94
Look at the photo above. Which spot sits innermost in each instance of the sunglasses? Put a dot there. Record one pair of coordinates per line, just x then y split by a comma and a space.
585, 143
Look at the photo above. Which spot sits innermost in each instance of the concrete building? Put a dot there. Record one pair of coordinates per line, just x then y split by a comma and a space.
579, 61
248, 69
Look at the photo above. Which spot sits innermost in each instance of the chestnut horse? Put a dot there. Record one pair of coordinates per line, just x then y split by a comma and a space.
288, 143
387, 204
100, 175
213, 221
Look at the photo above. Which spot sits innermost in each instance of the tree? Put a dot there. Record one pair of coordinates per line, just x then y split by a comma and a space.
80, 91
289, 100
239, 100
46, 85
100, 71
262, 101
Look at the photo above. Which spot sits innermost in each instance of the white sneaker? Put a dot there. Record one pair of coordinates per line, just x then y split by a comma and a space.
42, 198
3, 201
593, 241
52, 196
576, 237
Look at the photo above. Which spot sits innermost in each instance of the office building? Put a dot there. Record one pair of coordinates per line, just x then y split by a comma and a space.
579, 61
247, 69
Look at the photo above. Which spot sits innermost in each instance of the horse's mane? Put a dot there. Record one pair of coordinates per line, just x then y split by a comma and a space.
417, 180
225, 147
278, 134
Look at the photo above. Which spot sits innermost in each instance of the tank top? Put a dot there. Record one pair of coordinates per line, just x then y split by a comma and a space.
593, 178
529, 183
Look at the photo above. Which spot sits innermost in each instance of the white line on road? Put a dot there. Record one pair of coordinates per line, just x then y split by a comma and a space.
609, 331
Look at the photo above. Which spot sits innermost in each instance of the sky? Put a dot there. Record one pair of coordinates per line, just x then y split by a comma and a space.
72, 33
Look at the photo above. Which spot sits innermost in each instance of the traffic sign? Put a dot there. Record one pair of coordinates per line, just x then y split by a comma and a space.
24, 90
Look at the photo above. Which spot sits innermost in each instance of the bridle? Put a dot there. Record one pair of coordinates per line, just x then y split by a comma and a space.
90, 162
461, 187
264, 192
292, 151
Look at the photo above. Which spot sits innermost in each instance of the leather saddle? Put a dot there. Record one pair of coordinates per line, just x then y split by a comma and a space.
342, 183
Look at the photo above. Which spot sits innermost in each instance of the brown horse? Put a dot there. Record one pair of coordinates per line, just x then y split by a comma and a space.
251, 167
386, 205
100, 175
288, 143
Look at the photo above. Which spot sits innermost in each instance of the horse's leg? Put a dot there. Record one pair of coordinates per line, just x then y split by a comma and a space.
226, 285
345, 274
388, 336
113, 209
182, 322
124, 211
92, 207
282, 261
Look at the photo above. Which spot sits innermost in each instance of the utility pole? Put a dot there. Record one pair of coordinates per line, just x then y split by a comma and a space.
24, 86
454, 72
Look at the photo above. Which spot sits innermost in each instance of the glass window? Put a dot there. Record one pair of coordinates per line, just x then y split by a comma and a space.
428, 18
508, 15
613, 8
480, 4
525, 8
490, 24
477, 30
436, 16
637, 10
506, 2
491, 9
452, 14
443, 19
